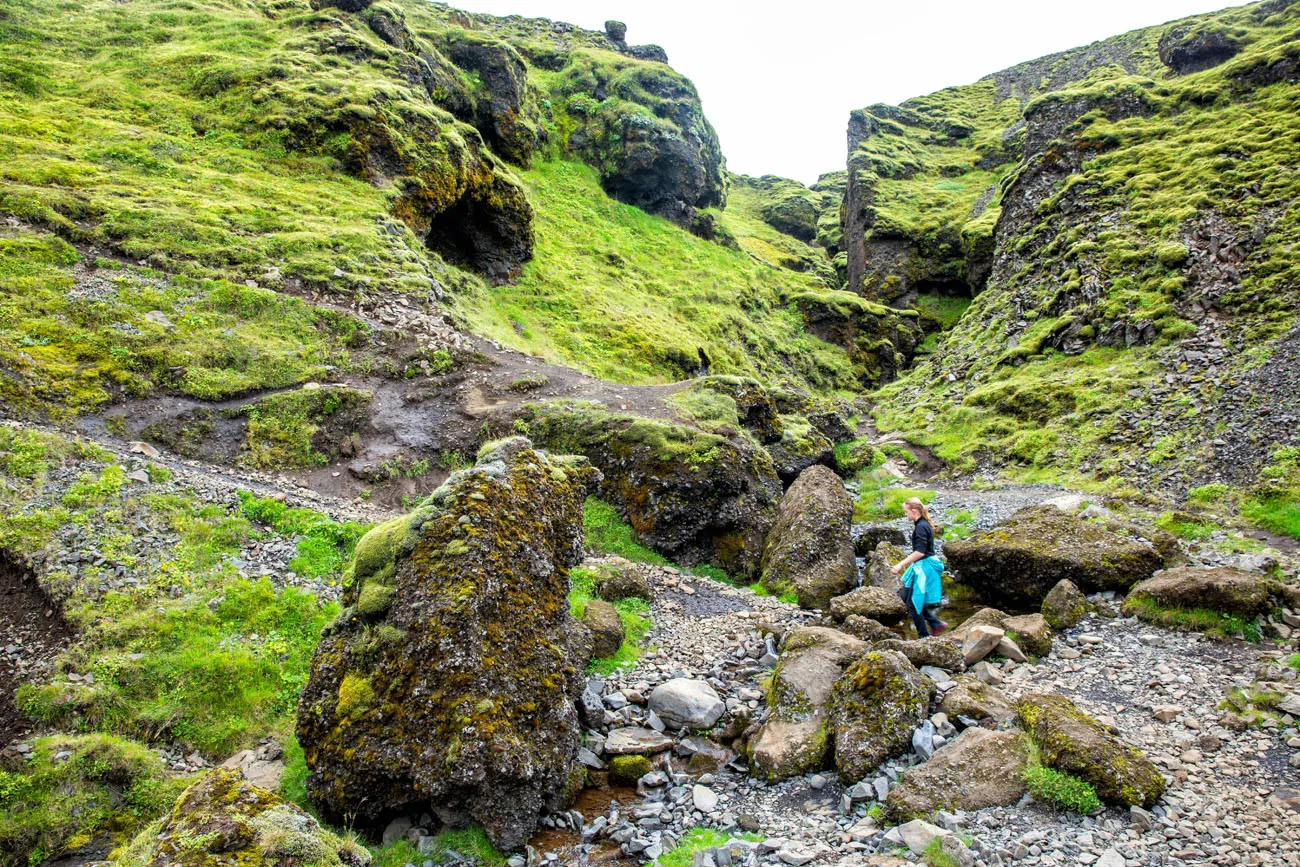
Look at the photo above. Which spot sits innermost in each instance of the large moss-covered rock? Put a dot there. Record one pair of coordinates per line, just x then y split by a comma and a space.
602, 619
1222, 589
873, 709
795, 738
979, 769
1071, 741
224, 820
801, 446
809, 549
879, 562
693, 496
446, 683
1021, 559
504, 114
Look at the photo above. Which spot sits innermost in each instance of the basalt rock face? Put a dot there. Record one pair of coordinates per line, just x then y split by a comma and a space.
446, 684
693, 496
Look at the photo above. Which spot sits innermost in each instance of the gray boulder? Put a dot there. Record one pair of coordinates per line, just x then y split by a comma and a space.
685, 703
809, 549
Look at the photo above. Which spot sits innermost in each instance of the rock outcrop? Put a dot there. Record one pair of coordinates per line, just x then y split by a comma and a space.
693, 496
1021, 559
445, 685
809, 549
222, 820
1064, 605
1071, 741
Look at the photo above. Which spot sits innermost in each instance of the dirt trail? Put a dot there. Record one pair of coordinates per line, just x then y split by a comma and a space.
32, 631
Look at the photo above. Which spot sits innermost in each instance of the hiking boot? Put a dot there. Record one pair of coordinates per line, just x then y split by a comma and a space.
940, 629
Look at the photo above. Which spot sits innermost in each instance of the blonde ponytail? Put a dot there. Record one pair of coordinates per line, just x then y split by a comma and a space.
915, 503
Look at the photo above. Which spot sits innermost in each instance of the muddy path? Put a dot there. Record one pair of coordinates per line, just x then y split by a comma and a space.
32, 631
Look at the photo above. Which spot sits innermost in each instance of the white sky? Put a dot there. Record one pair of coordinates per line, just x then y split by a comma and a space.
778, 82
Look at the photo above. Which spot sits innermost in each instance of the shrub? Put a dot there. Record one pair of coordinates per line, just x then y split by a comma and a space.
1061, 790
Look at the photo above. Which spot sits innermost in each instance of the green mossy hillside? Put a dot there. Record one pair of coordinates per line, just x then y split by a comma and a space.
1143, 211
628, 296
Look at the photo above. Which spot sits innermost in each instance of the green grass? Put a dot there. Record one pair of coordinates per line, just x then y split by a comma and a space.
1193, 619
324, 545
469, 842
697, 840
1277, 514
634, 614
934, 856
944, 310
1184, 526
1061, 790
959, 524
213, 676
630, 297
1294, 661
879, 499
105, 789
607, 533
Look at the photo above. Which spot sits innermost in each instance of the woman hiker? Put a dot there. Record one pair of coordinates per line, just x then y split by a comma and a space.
922, 584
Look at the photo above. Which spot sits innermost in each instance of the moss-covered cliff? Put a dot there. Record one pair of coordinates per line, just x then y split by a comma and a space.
1122, 215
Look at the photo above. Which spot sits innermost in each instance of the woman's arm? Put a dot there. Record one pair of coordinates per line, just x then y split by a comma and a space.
907, 561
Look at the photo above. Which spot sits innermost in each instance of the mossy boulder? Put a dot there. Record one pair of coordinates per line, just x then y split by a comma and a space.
873, 709
1021, 559
755, 408
809, 549
693, 496
801, 446
976, 700
880, 340
446, 684
1224, 590
1072, 742
877, 603
795, 738
606, 628
628, 769
224, 820
1064, 605
983, 617
979, 769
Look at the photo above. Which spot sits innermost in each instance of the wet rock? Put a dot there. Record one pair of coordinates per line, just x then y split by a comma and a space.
1071, 741
873, 709
453, 617
875, 603
223, 819
1020, 560
809, 549
979, 769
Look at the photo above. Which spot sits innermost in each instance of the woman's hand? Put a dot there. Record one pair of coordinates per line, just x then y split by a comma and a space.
896, 568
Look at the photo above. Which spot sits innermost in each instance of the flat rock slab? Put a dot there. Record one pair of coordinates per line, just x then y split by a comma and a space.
634, 739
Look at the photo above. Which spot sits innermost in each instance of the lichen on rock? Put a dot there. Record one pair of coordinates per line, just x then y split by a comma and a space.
469, 715
873, 710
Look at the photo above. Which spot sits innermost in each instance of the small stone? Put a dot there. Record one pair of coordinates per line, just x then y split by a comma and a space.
1166, 712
